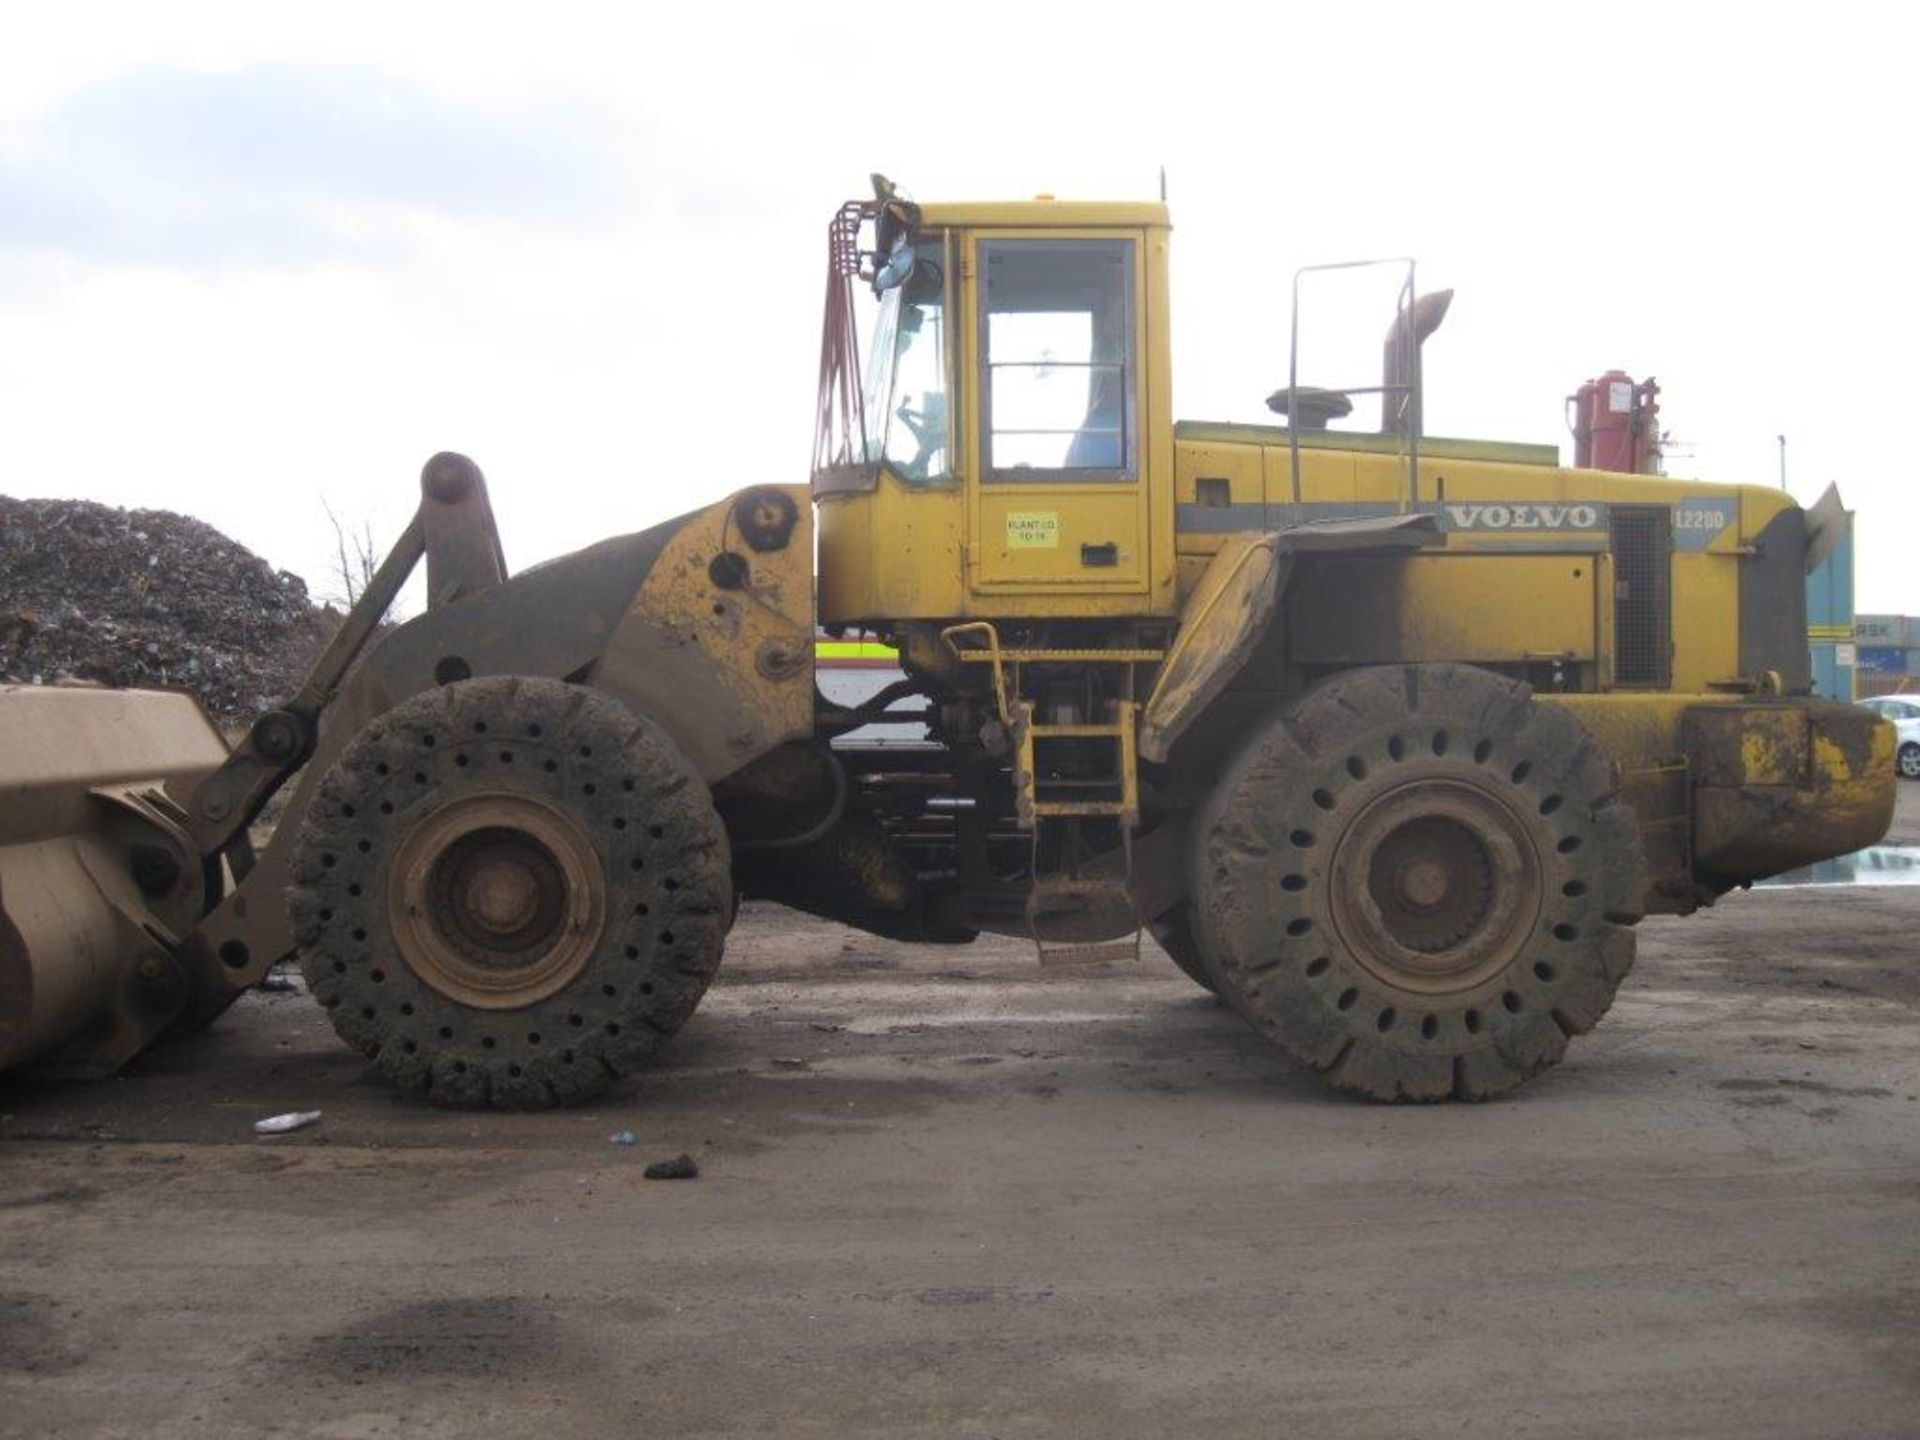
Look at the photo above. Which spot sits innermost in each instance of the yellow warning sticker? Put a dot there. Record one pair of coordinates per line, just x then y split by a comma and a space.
1033, 529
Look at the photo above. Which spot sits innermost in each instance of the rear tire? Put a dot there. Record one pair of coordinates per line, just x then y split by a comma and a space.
510, 892
1417, 880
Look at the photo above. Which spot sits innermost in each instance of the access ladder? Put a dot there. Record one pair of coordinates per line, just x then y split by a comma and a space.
1045, 799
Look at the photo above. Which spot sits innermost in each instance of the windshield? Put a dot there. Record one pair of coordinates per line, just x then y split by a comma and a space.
906, 382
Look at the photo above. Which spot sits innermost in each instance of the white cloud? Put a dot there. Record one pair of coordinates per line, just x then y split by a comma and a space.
634, 327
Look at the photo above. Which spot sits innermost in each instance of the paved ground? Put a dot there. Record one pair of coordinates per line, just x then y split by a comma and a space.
944, 1193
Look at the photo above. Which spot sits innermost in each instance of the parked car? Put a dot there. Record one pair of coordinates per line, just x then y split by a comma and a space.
1904, 712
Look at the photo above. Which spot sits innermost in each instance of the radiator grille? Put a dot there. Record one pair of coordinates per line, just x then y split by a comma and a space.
1642, 595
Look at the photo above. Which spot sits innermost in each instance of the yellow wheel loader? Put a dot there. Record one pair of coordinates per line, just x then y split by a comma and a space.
1390, 739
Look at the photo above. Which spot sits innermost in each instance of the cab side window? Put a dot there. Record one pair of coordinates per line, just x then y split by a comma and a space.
1057, 354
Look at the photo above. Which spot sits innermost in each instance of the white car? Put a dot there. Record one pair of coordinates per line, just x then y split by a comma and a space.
1904, 712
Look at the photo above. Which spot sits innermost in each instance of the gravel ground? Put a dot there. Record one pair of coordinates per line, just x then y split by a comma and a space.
943, 1192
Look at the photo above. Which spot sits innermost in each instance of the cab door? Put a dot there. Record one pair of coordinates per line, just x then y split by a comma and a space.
1058, 418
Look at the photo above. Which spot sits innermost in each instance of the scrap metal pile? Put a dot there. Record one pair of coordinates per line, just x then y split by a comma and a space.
149, 598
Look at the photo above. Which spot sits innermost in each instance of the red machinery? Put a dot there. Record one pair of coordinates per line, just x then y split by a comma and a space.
1615, 425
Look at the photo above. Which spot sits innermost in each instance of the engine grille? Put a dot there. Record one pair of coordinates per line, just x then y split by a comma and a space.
1642, 595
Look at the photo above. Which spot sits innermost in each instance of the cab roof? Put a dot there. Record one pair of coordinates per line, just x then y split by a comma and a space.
1040, 214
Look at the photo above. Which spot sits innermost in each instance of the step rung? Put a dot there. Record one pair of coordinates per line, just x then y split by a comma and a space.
1099, 952
1063, 657
1079, 807
1045, 732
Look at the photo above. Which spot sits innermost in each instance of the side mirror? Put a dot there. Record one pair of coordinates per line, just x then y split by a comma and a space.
898, 269
893, 231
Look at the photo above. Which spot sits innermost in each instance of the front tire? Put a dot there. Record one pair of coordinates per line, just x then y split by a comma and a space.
1417, 880
510, 892
1909, 761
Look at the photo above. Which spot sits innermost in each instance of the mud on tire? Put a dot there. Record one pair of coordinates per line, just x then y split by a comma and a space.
1418, 881
510, 892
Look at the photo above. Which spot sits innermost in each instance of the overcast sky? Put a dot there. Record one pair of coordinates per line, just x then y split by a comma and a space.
252, 258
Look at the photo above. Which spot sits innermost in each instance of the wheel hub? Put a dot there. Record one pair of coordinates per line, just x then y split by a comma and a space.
503, 896
1422, 885
1431, 878
497, 900
1436, 884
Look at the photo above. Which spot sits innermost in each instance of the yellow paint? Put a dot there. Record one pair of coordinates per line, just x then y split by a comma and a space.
1098, 514
1531, 592
1777, 786
893, 553
1773, 749
1705, 618
728, 672
899, 552
1046, 214
971, 548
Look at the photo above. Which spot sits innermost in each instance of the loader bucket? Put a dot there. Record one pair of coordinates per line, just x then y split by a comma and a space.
97, 880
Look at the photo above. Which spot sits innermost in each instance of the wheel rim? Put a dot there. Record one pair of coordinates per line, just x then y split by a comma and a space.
1435, 886
1910, 762
497, 900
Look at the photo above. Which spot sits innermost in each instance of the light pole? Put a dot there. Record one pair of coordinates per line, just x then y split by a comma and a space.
1783, 460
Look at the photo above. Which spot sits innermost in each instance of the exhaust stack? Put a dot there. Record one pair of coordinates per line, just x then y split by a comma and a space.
1400, 370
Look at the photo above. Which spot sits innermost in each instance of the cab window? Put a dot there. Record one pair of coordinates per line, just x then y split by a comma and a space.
906, 382
1057, 358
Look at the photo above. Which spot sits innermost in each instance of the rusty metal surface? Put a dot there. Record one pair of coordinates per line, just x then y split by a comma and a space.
56, 743
1728, 790
97, 877
454, 531
462, 542
497, 900
552, 620
721, 655
1436, 885
220, 806
1784, 784
727, 667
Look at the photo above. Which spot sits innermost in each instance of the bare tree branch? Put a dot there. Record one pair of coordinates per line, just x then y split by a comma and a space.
355, 557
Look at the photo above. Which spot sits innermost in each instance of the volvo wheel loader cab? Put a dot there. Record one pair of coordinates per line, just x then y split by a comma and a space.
1007, 450
1389, 738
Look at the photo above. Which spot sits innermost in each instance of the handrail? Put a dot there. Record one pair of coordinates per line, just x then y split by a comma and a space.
1409, 390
